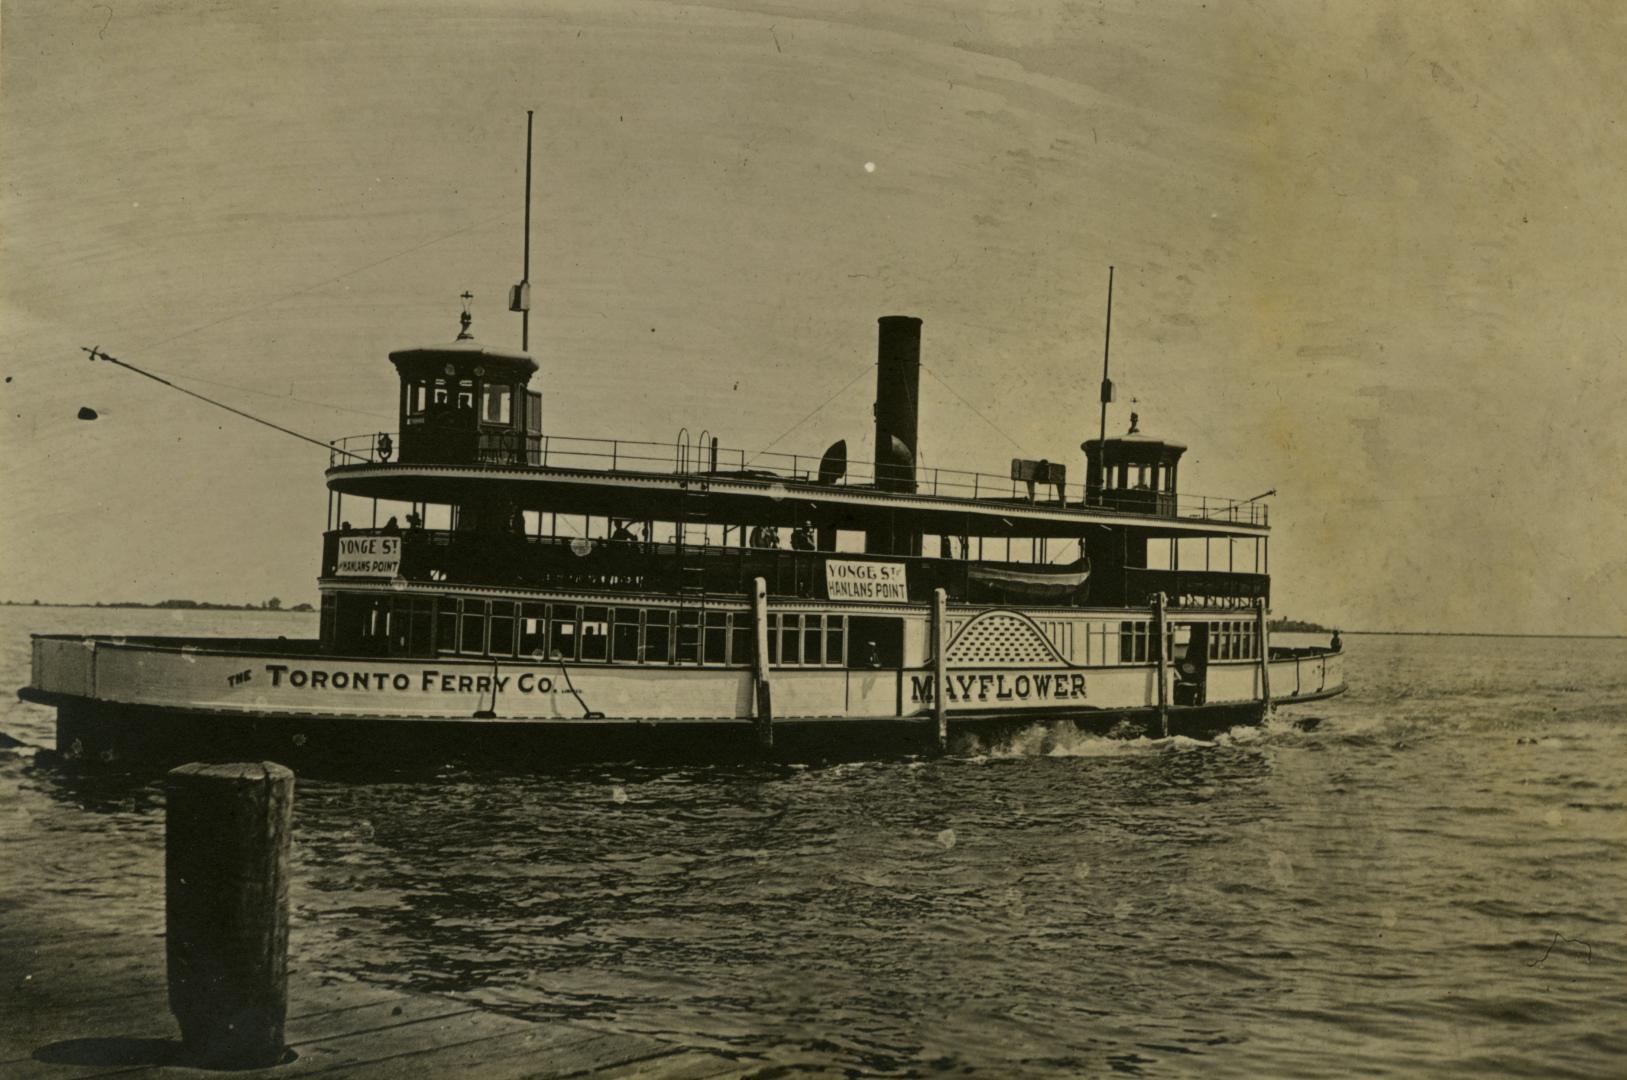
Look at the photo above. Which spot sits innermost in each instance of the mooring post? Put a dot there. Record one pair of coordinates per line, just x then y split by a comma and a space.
1161, 645
1265, 656
940, 666
761, 693
226, 905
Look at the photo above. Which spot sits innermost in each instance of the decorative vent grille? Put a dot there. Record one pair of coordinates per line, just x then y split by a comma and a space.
1001, 637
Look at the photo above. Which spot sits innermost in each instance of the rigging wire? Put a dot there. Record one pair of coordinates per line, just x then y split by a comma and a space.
862, 372
97, 354
272, 394
974, 408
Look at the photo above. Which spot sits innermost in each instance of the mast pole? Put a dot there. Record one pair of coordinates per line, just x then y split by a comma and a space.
525, 275
1107, 392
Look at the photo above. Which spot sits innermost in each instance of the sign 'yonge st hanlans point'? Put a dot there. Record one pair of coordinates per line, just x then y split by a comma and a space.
369, 556
875, 581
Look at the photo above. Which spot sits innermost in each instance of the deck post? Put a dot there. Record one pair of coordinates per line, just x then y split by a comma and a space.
226, 907
1265, 656
1160, 622
940, 666
761, 692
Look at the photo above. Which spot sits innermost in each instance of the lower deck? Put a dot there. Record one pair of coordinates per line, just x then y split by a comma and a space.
998, 671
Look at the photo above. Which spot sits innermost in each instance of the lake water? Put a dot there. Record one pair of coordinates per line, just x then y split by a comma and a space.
1430, 882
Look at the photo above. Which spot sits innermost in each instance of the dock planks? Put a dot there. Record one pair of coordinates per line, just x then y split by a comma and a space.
90, 1004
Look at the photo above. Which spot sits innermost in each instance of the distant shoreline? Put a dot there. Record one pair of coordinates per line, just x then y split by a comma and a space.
1485, 633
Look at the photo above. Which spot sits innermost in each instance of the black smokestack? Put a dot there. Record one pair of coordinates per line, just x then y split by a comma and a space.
898, 384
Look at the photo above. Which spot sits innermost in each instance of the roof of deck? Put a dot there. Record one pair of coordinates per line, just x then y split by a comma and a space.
767, 498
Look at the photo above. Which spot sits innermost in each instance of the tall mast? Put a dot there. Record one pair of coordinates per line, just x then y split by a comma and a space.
525, 275
1107, 387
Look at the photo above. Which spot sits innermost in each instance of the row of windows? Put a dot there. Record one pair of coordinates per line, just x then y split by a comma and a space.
423, 626
496, 399
1234, 639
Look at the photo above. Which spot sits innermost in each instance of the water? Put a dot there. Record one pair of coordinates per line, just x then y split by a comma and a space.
1431, 882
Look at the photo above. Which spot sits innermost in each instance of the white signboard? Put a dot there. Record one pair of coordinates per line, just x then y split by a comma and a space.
874, 581
369, 556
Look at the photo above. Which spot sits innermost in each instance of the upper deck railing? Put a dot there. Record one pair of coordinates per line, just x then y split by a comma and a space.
682, 459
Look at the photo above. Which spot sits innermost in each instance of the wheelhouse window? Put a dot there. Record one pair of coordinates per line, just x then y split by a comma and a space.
496, 403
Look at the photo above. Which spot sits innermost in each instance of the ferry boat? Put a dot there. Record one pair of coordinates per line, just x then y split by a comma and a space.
560, 597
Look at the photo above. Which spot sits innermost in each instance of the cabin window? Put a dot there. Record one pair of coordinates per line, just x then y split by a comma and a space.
533, 411
689, 637
716, 643
740, 639
595, 635
466, 394
496, 401
657, 636
502, 628
562, 632
533, 630
790, 639
624, 636
773, 639
835, 639
812, 640
441, 394
472, 638
875, 641
1133, 642
446, 626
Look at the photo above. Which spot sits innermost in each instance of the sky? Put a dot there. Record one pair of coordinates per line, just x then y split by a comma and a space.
1371, 255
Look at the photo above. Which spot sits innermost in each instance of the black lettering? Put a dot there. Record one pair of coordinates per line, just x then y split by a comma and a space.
1042, 685
429, 678
1002, 693
341, 681
276, 673
523, 683
983, 684
466, 684
1078, 686
921, 688
296, 678
1021, 686
402, 682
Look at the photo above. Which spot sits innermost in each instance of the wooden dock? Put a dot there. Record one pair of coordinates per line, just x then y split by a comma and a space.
84, 1002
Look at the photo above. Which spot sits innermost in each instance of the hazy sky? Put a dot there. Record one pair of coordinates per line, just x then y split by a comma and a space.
1370, 254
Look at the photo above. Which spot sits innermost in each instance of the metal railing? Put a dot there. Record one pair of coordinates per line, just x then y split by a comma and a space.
568, 453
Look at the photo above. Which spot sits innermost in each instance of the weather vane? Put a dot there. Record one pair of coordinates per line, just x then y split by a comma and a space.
466, 319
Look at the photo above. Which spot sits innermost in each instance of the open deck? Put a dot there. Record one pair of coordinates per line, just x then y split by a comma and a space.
597, 476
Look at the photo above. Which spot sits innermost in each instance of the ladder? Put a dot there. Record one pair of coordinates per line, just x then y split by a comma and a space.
690, 542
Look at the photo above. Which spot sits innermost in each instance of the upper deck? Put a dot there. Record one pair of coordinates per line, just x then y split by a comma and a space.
639, 479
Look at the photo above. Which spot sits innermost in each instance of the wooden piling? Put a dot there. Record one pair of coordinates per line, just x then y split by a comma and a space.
762, 696
940, 666
1161, 646
1265, 656
226, 904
